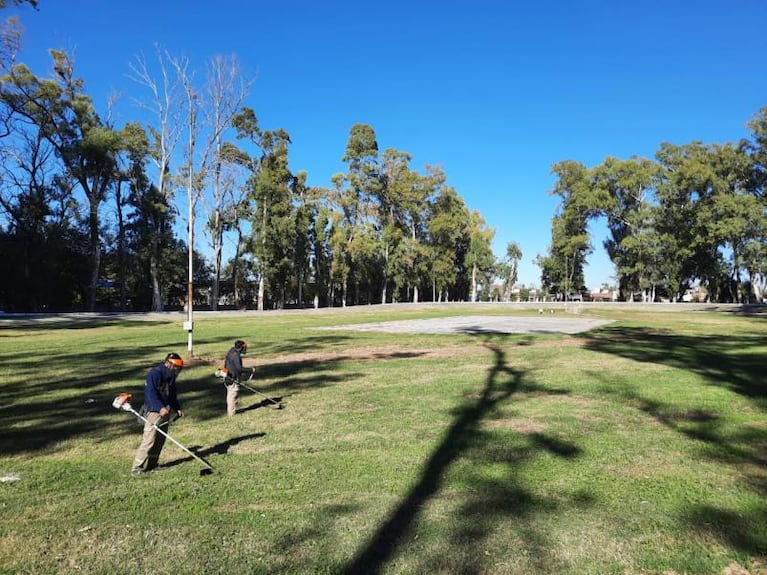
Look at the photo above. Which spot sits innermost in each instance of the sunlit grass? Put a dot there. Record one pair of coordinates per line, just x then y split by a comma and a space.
636, 448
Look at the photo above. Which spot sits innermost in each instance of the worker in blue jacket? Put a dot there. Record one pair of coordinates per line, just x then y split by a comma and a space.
160, 406
235, 373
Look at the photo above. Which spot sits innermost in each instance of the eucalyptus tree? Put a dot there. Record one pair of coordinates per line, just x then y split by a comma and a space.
65, 116
4, 3
219, 102
11, 34
479, 256
305, 213
404, 211
562, 267
754, 252
341, 232
275, 191
402, 201
689, 196
416, 207
41, 224
165, 106
271, 188
623, 191
678, 222
756, 148
321, 249
181, 109
236, 210
359, 205
754, 258
131, 169
149, 226
738, 220
447, 225
394, 181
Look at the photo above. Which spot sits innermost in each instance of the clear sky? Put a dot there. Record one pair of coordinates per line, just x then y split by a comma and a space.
494, 91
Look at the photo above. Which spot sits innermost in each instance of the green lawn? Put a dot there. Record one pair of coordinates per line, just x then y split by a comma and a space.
636, 448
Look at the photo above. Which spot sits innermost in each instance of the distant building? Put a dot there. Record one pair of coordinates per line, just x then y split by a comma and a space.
602, 295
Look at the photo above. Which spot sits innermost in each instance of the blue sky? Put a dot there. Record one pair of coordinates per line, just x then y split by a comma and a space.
493, 91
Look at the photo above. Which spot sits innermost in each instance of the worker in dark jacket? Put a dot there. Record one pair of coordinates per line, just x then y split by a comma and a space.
236, 373
160, 406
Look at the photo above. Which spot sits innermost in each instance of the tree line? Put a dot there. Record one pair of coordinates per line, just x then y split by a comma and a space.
90, 210
695, 216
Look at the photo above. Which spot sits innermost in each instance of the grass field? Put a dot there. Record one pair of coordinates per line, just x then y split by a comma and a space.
639, 447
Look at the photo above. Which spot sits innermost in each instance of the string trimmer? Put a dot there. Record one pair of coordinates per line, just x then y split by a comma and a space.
122, 401
223, 374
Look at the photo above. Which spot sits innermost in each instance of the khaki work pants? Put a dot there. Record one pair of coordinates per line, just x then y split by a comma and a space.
232, 392
148, 453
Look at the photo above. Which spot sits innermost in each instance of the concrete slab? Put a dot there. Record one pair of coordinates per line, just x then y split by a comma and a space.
477, 324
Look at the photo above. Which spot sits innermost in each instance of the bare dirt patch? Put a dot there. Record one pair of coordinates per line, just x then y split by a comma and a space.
379, 353
364, 353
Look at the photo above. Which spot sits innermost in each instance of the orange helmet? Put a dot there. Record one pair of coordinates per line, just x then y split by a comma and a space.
175, 360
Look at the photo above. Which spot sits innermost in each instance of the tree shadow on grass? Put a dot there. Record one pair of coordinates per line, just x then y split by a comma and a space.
739, 530
507, 499
735, 363
744, 449
63, 321
286, 347
36, 414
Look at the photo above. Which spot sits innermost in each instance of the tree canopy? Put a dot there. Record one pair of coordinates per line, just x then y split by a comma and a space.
694, 217
90, 211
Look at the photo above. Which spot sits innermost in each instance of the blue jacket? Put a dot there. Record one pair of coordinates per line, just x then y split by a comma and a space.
160, 389
233, 362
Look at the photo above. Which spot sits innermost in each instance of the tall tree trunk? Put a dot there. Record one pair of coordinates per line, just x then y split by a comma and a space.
120, 246
235, 268
218, 240
154, 272
95, 245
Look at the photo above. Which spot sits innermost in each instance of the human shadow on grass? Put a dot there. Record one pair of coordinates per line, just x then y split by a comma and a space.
268, 403
218, 449
38, 414
465, 436
44, 419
